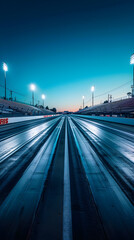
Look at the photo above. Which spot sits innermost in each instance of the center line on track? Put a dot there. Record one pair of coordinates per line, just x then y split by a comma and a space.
67, 216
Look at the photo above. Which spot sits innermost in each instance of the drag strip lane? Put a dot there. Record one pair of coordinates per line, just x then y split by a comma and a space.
14, 143
116, 141
17, 213
113, 206
13, 167
115, 152
120, 130
13, 129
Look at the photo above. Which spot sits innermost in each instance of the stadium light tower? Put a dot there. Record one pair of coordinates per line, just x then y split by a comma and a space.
43, 98
92, 90
32, 87
83, 100
5, 68
132, 62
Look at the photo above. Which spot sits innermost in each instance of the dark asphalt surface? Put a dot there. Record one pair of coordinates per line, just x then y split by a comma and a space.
49, 215
33, 178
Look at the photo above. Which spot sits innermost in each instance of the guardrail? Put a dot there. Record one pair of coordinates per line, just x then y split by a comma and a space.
4, 121
126, 121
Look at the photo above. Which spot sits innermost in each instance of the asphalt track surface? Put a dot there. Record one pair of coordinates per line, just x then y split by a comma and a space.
66, 178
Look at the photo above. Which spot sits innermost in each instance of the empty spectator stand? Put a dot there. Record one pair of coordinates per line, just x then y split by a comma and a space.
123, 108
11, 108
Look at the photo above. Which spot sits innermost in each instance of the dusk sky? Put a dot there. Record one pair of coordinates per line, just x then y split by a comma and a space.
65, 47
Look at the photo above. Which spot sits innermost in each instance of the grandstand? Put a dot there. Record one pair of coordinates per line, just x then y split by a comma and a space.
11, 108
122, 108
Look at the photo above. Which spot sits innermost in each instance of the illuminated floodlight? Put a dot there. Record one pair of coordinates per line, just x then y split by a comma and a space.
132, 59
5, 68
83, 97
32, 87
92, 89
43, 96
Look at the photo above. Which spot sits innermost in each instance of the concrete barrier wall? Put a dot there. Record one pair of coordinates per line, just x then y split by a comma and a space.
127, 121
21, 119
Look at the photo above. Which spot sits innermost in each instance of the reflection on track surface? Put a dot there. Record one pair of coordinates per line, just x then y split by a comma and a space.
67, 178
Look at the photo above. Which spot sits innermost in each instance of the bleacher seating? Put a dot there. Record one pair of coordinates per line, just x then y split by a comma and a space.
125, 106
11, 108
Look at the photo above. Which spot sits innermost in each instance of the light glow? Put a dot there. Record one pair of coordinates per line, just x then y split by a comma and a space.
32, 87
132, 59
5, 68
92, 89
83, 97
43, 96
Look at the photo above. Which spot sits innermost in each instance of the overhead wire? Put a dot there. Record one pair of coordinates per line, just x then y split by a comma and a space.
112, 90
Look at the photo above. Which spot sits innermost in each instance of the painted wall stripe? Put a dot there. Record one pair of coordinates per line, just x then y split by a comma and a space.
21, 119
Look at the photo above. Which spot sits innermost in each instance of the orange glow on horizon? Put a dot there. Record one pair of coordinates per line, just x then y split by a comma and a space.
75, 109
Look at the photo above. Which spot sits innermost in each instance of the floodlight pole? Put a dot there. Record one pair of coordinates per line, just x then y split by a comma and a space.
43, 98
132, 62
5, 68
5, 85
92, 90
133, 75
92, 98
133, 83
83, 101
33, 97
32, 86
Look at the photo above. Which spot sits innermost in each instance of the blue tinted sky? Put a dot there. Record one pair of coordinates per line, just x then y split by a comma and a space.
65, 47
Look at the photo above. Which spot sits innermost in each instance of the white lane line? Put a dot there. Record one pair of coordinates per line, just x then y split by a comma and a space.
67, 216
